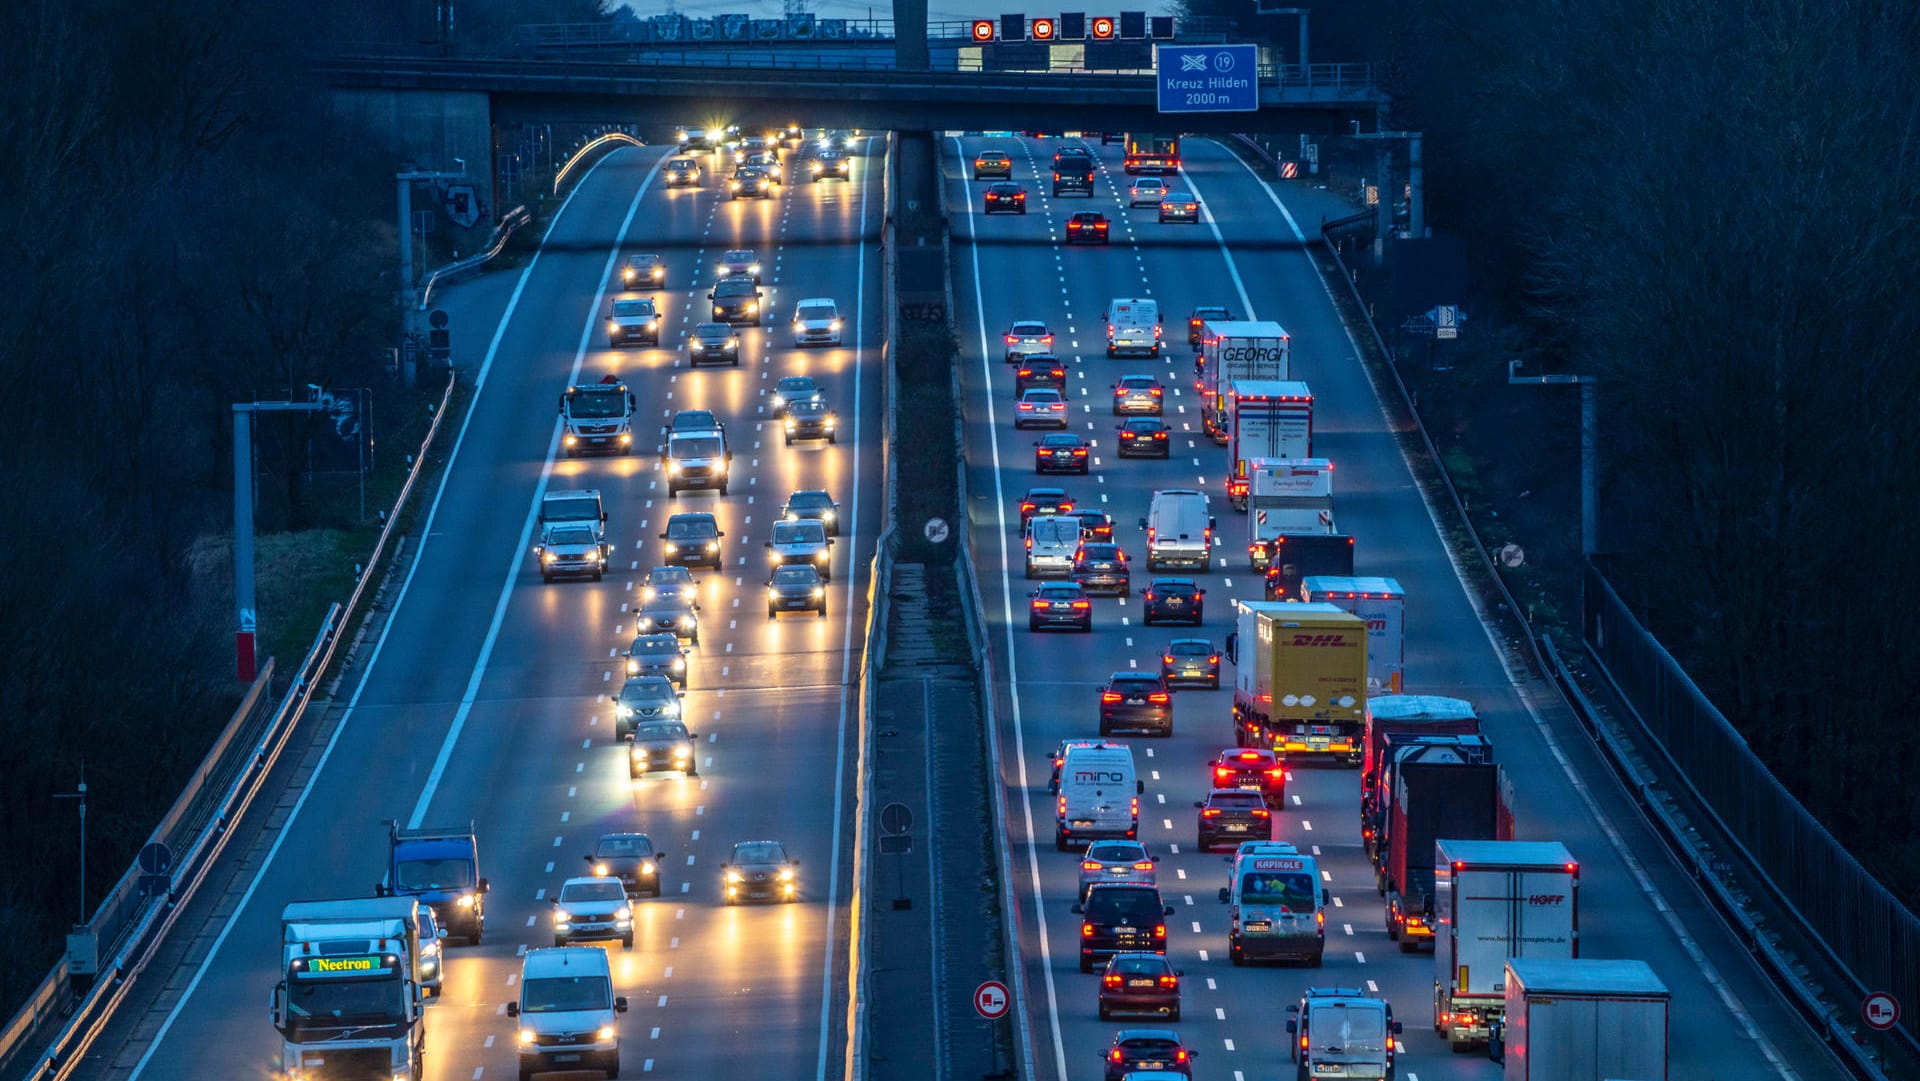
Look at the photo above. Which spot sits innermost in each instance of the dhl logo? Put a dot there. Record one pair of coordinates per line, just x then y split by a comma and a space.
1330, 641
1546, 900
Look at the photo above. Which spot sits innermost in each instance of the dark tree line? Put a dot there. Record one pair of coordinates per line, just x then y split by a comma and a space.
1712, 206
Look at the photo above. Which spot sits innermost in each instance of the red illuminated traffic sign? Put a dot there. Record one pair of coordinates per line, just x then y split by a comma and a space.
983, 29
991, 1000
1042, 30
1102, 28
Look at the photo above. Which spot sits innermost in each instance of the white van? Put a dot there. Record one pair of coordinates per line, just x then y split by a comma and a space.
566, 1008
1133, 327
1275, 911
1179, 529
1099, 796
1051, 542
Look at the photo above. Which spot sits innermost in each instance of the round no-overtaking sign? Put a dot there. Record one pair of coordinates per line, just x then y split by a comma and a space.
991, 1000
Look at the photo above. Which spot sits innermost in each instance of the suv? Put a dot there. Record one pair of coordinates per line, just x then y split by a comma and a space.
691, 539
736, 300
1234, 815
804, 542
592, 908
567, 1011
1060, 604
1102, 567
643, 699
570, 549
633, 320
1136, 700
1137, 394
1060, 452
1173, 598
993, 163
1341, 1031
1039, 370
1140, 983
1154, 1053
1028, 338
1087, 227
713, 343
1252, 769
813, 504
1191, 661
1121, 918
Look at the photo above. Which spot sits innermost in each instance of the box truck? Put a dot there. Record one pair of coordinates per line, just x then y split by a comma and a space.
348, 1003
1383, 604
1290, 497
1582, 1020
1266, 418
1233, 350
1494, 901
1300, 679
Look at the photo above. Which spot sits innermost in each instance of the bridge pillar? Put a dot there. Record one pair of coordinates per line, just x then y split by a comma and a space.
910, 35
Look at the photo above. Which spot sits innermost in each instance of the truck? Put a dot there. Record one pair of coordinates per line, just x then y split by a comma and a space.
1406, 716
598, 418
348, 1003
1266, 418
1301, 687
1383, 604
1150, 152
1134, 326
1494, 901
1290, 497
566, 506
1232, 350
440, 868
1052, 541
1292, 558
1436, 789
1376, 802
1582, 1020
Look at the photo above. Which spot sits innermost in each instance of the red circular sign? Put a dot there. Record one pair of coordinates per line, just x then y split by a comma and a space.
1880, 1010
983, 29
991, 1000
1043, 29
1103, 27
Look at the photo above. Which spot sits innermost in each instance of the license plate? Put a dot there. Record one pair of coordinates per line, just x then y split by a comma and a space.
1139, 983
1154, 1064
1236, 827
1258, 925
1062, 606
1317, 739
1175, 601
571, 1057
1248, 786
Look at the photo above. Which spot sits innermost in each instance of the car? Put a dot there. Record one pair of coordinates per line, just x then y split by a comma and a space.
675, 614
750, 182
571, 550
668, 582
591, 908
1004, 197
1252, 769
633, 321
1140, 983
1147, 191
1060, 452
761, 870
752, 144
644, 698
629, 859
1143, 1050
432, 951
812, 504
766, 163
1060, 604
816, 321
1190, 662
713, 343
740, 263
1039, 370
1231, 815
693, 137
1102, 567
1114, 861
1044, 501
657, 655
811, 420
796, 587
1042, 408
1170, 599
804, 542
1144, 437
736, 301
792, 136
1137, 395
794, 388
681, 173
830, 165
692, 538
1028, 337
1179, 206
1087, 227
643, 271
993, 163
1138, 701
1198, 319
1121, 917
662, 746
836, 140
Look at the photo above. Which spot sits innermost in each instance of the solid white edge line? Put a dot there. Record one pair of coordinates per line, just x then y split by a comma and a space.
380, 642
846, 640
1013, 679
1708, 970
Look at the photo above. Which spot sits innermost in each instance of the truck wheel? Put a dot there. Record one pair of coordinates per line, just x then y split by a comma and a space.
1059, 841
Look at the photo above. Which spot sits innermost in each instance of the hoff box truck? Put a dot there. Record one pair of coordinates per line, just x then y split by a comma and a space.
1383, 604
1582, 1020
1233, 350
1266, 418
1300, 685
348, 1004
1494, 901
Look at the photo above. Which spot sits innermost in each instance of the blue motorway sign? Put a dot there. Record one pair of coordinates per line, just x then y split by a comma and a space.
1207, 78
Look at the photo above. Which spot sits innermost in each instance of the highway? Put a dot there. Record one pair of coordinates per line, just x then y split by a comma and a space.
1246, 254
485, 698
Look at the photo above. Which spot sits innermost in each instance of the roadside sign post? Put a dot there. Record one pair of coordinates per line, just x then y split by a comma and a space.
1881, 1011
1207, 78
992, 1001
895, 820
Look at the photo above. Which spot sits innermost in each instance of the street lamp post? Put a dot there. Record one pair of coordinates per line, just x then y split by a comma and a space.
1589, 446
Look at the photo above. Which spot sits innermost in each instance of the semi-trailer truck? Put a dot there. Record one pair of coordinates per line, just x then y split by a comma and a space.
1300, 681
1405, 715
1383, 604
1582, 1020
348, 1003
1494, 901
1233, 350
1266, 418
1436, 791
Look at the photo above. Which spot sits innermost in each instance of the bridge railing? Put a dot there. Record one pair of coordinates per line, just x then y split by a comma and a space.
669, 32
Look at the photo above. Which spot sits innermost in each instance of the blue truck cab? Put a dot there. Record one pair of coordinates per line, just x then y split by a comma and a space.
440, 867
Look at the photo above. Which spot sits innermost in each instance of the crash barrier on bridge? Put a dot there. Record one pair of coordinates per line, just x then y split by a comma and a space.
1862, 927
460, 268
535, 39
143, 906
597, 145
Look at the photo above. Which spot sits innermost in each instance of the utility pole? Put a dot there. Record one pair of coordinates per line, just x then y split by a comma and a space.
409, 300
245, 664
83, 942
1589, 446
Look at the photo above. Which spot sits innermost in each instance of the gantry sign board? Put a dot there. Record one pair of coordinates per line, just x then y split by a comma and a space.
1207, 78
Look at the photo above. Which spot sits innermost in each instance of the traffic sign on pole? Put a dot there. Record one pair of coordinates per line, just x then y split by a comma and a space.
991, 1000
1042, 29
896, 818
1207, 78
982, 30
1103, 29
1880, 1010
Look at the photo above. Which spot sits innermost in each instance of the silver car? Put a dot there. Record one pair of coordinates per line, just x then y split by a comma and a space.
1116, 861
570, 550
743, 261
657, 655
805, 542
643, 699
816, 321
1147, 191
633, 321
761, 871
794, 388
1138, 395
1026, 338
662, 745
590, 908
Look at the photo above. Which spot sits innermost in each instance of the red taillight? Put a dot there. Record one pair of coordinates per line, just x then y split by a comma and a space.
1116, 1054
1210, 812
1223, 772
1143, 865
1262, 812
1079, 452
1086, 930
1047, 339
1320, 918
1277, 771
1303, 1044
1039, 604
1025, 372
1119, 392
1090, 865
1081, 604
1111, 981
1025, 508
1011, 339
1168, 659
1109, 696
1156, 392
1215, 659
1180, 1055
1157, 697
1170, 982
1160, 931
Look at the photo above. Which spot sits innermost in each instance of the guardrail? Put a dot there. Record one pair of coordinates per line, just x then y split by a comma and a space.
503, 232
592, 146
816, 31
196, 828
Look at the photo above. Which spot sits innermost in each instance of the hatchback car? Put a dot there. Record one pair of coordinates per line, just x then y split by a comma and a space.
1027, 338
740, 262
1140, 983
1197, 321
713, 343
1039, 370
1147, 1050
1232, 816
796, 587
1191, 662
993, 163
1252, 769
1044, 502
829, 165
1060, 452
1010, 198
1179, 206
811, 420
813, 504
682, 173
750, 182
662, 746
633, 321
1147, 191
643, 271
1138, 395
1088, 227
1137, 701
1060, 604
1172, 600
816, 321
642, 699
668, 582
1144, 437
1102, 568
692, 539
736, 302
657, 655
591, 908
1115, 861
675, 614
804, 542
1121, 918
761, 871
1095, 525
791, 389
1040, 409
629, 859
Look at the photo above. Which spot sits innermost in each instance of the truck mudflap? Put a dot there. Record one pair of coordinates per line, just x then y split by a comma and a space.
1465, 1022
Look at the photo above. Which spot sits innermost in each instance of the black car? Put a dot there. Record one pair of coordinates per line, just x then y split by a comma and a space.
1042, 502
1172, 599
1102, 567
1087, 227
643, 271
810, 419
1060, 604
1138, 701
1191, 662
829, 164
662, 746
1140, 983
1231, 815
1060, 452
750, 182
713, 343
791, 389
1039, 370
1120, 917
816, 504
1144, 1050
1202, 315
642, 699
673, 615
629, 857
736, 301
796, 587
1004, 196
1252, 769
1095, 525
692, 539
1144, 437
